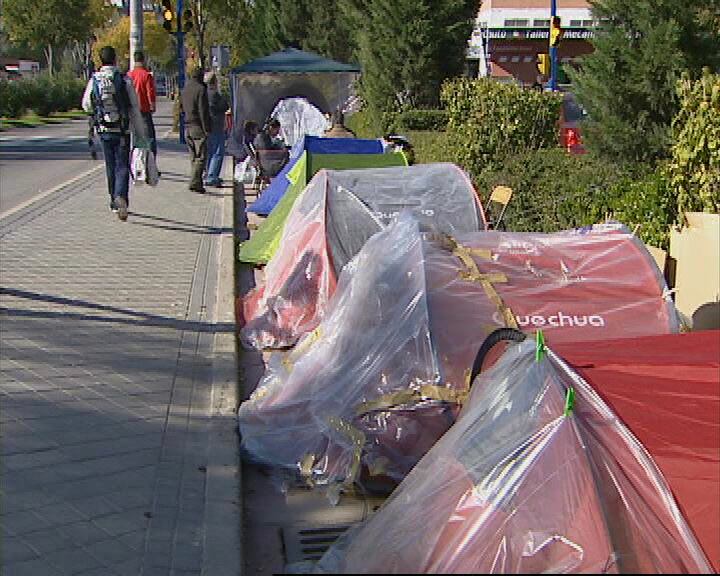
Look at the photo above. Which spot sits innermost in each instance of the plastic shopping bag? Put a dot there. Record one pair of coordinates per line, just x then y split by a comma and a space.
143, 167
245, 171
138, 165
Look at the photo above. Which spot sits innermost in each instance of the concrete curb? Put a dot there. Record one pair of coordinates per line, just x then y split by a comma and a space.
223, 513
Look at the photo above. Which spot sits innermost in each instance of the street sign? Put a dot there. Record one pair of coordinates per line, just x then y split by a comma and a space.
220, 57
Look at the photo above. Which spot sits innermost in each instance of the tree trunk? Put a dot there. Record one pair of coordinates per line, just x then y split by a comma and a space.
200, 31
49, 57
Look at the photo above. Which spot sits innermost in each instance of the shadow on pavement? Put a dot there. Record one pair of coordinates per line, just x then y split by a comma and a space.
176, 225
136, 318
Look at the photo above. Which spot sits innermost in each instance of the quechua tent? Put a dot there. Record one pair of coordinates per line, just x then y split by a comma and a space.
363, 396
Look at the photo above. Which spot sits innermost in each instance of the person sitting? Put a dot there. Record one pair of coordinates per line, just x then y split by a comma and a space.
338, 128
250, 131
271, 151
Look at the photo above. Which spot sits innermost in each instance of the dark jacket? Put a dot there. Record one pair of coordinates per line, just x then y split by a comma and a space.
263, 141
194, 102
218, 107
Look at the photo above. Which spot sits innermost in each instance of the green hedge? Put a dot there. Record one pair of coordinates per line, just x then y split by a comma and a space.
647, 204
553, 190
42, 94
366, 126
363, 125
416, 120
489, 121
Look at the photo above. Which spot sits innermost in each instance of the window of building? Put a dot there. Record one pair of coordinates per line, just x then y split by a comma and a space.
588, 23
515, 59
502, 59
541, 23
527, 59
575, 23
517, 23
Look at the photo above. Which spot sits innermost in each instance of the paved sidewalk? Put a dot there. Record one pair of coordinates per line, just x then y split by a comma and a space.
118, 382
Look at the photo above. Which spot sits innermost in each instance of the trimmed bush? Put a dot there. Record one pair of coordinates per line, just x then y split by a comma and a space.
430, 147
648, 204
489, 121
416, 120
13, 100
553, 190
364, 125
42, 94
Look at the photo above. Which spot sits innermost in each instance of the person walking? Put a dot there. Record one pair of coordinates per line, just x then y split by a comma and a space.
144, 84
194, 103
216, 140
111, 99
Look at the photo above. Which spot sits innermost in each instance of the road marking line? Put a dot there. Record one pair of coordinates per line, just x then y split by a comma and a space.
48, 192
43, 139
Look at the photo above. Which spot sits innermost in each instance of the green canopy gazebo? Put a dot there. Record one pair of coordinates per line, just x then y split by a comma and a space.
258, 85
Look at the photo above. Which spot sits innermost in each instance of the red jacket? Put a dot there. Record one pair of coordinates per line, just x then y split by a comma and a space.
145, 87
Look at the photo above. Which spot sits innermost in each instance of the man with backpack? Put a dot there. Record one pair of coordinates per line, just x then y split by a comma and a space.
111, 98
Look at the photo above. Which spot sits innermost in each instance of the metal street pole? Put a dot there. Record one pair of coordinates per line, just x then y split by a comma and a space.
136, 29
553, 49
181, 65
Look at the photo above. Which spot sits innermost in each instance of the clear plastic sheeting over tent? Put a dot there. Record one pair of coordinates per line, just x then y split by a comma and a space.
259, 85
299, 118
263, 245
363, 396
538, 476
330, 223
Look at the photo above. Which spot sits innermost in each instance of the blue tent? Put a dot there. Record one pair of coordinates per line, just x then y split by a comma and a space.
312, 145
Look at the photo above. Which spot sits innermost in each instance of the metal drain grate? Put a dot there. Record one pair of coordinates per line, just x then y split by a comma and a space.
303, 544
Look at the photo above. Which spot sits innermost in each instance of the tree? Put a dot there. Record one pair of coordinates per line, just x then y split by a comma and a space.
51, 24
229, 25
158, 44
199, 9
628, 84
408, 47
329, 32
319, 26
695, 166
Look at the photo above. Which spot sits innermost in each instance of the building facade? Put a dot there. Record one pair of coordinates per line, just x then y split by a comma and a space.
509, 34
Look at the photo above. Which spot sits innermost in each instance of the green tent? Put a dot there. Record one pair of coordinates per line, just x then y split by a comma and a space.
263, 244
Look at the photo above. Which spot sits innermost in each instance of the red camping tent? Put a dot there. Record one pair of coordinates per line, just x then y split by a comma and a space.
366, 394
667, 391
530, 481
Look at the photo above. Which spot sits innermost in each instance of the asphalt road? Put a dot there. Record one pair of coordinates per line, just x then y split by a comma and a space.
34, 162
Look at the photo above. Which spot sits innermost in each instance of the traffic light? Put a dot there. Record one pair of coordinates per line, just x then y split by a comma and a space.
168, 15
556, 32
187, 20
543, 64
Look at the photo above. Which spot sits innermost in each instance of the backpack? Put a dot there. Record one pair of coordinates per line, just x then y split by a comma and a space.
111, 103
